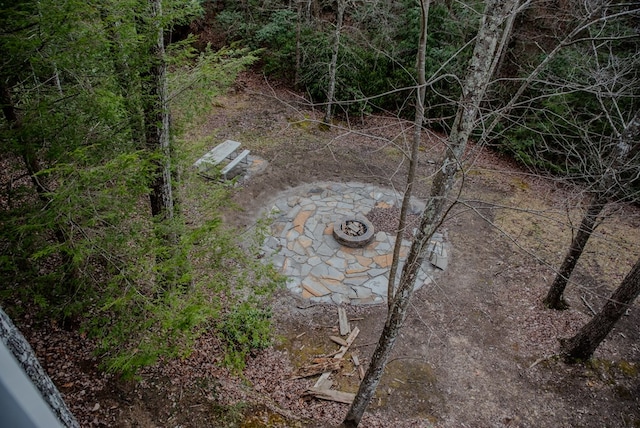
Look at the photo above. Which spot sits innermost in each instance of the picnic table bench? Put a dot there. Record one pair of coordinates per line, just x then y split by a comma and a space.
208, 165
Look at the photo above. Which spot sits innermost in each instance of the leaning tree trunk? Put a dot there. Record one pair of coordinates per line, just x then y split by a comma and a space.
26, 358
555, 299
478, 77
592, 16
333, 65
623, 150
586, 341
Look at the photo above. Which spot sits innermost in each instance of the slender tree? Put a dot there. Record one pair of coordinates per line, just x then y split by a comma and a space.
333, 65
417, 138
480, 71
586, 341
300, 5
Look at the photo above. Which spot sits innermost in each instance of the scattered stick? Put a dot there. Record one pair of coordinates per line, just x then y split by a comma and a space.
539, 360
587, 305
366, 344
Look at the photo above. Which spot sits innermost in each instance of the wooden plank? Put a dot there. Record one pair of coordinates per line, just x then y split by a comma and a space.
331, 395
344, 322
326, 384
343, 350
340, 341
227, 169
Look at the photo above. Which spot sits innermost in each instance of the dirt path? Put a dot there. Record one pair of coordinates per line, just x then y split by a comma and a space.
477, 349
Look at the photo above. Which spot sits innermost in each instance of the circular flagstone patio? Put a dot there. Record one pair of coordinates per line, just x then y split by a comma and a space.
318, 268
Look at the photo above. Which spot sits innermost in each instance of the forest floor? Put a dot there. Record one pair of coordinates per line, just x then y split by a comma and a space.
478, 348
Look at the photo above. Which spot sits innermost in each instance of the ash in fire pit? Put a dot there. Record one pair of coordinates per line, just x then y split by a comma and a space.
355, 232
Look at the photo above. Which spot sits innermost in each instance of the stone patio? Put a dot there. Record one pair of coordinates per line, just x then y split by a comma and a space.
318, 268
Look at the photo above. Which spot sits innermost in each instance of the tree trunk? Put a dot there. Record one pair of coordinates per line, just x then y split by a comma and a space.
586, 341
417, 138
171, 259
333, 65
625, 148
26, 151
478, 77
26, 358
157, 120
33, 168
296, 83
555, 299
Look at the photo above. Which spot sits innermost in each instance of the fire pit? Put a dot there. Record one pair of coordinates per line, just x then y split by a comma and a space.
354, 232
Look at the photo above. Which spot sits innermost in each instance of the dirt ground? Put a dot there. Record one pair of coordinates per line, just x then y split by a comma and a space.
478, 348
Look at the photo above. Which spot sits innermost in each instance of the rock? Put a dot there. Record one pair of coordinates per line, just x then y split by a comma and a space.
315, 287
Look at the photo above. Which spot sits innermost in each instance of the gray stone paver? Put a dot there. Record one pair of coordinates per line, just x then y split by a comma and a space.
302, 247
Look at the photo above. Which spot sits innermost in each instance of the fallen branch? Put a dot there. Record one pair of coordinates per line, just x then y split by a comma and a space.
588, 305
539, 360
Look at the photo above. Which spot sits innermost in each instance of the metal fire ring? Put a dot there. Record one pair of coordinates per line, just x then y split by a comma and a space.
357, 241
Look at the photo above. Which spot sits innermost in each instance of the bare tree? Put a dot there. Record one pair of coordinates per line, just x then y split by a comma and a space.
586, 341
602, 159
609, 162
607, 188
333, 65
417, 137
590, 17
479, 74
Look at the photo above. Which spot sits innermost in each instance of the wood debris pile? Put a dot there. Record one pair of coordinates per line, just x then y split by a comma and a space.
326, 366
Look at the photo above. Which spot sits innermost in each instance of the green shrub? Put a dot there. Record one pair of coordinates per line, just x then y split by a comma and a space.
244, 329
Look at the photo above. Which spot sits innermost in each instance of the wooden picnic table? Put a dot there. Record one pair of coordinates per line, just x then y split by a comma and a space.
208, 164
